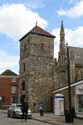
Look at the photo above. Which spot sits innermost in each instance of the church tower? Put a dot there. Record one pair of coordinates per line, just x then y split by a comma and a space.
60, 74
36, 59
61, 58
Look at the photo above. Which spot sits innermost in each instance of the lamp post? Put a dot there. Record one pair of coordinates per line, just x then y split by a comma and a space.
69, 115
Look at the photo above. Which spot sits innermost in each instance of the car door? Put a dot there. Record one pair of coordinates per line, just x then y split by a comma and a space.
12, 108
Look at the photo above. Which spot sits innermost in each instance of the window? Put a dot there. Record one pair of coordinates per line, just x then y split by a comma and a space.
13, 79
3, 99
81, 74
80, 103
42, 46
14, 99
25, 47
23, 85
24, 67
22, 98
13, 89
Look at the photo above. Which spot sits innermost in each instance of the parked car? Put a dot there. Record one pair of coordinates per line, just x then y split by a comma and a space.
14, 111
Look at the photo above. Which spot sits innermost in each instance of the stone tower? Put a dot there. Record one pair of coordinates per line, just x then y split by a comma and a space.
36, 62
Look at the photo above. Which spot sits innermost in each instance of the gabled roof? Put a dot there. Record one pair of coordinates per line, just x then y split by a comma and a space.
39, 31
8, 73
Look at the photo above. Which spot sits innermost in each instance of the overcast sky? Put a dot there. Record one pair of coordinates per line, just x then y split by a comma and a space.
17, 17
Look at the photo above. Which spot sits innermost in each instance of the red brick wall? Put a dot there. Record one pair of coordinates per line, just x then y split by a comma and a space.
5, 89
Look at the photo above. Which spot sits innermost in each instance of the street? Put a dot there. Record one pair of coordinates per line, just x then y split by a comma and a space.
4, 120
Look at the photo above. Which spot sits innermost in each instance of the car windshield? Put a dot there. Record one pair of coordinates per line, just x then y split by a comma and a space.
18, 106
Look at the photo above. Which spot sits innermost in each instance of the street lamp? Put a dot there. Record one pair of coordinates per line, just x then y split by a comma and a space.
69, 115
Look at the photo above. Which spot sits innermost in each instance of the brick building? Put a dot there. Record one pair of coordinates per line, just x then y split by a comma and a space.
8, 87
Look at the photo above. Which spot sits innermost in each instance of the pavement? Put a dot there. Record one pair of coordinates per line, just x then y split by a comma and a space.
51, 118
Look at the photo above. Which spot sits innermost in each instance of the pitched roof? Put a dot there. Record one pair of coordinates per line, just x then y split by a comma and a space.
39, 31
8, 73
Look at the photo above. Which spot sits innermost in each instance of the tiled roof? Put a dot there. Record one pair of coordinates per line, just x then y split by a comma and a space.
9, 73
39, 31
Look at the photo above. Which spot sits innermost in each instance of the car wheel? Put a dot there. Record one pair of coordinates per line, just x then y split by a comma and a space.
11, 115
14, 115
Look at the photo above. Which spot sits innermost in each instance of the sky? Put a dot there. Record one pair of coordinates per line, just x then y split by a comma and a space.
17, 17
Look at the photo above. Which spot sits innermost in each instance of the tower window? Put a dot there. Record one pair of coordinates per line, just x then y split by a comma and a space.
42, 46
24, 67
23, 85
25, 47
22, 98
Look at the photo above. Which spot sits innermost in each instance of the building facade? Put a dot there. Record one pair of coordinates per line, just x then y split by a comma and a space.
8, 87
41, 76
76, 74
36, 62
76, 98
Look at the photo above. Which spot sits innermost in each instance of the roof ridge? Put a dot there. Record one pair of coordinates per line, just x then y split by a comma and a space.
38, 30
8, 73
